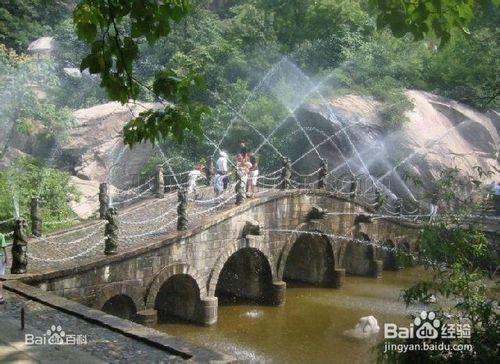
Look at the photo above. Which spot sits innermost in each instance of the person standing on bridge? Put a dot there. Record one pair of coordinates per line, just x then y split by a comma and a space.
193, 176
243, 149
253, 174
243, 167
221, 178
3, 263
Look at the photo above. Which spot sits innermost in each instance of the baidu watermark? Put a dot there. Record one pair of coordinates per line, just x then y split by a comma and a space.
55, 336
427, 326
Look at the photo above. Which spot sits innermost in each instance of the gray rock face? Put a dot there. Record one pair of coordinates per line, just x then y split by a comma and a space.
440, 133
95, 145
95, 153
43, 45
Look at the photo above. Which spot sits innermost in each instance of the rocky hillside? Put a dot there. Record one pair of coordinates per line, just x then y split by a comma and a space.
440, 133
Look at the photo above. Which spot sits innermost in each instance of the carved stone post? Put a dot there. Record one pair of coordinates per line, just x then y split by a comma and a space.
36, 218
160, 183
379, 199
103, 200
353, 188
111, 232
182, 220
209, 171
19, 247
399, 206
240, 188
286, 174
322, 174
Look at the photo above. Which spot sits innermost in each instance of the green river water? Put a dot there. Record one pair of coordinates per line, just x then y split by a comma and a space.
310, 327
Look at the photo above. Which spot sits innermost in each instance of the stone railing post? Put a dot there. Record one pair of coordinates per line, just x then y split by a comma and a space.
209, 171
322, 174
111, 232
160, 183
19, 247
103, 200
240, 188
36, 218
399, 206
353, 189
379, 199
286, 174
182, 220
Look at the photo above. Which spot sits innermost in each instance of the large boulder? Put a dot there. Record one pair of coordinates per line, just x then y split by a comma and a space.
440, 133
42, 46
94, 149
367, 326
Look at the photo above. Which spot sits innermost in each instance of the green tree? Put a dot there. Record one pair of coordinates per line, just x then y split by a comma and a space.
420, 18
26, 93
113, 29
27, 178
22, 21
460, 260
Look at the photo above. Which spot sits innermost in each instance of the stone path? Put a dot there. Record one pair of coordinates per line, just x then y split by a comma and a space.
103, 345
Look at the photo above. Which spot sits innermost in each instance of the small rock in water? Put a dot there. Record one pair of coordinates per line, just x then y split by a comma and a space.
253, 313
366, 327
72, 72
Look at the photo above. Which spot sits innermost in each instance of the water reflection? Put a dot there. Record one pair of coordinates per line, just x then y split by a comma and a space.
310, 326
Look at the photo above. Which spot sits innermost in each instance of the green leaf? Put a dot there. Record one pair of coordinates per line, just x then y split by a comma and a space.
86, 31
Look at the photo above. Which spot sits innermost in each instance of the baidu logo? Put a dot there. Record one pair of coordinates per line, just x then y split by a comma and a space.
424, 326
427, 327
427, 324
55, 336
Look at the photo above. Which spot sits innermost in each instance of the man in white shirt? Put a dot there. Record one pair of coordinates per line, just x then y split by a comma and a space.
221, 177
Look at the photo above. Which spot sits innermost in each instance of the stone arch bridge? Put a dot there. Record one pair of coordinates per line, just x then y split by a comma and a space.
242, 252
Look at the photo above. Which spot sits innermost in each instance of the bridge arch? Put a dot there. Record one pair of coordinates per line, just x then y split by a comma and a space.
179, 298
254, 244
165, 274
119, 299
296, 242
121, 306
